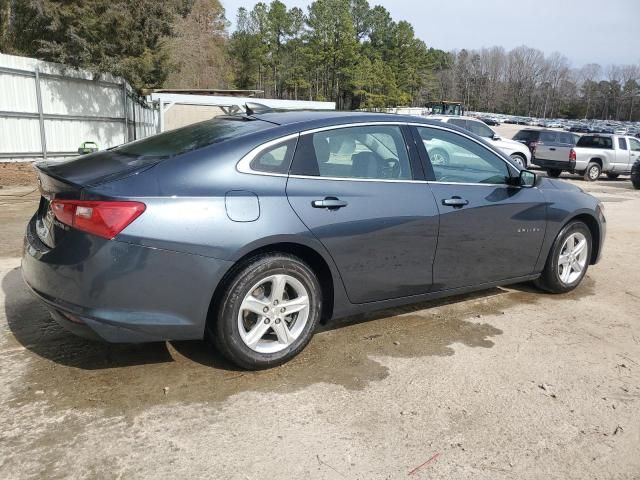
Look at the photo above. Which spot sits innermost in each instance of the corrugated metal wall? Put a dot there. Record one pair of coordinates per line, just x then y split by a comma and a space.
47, 110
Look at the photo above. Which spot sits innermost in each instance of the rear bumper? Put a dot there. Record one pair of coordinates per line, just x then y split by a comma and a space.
120, 292
565, 166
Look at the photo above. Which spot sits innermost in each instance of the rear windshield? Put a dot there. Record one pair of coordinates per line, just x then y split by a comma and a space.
592, 141
527, 135
191, 137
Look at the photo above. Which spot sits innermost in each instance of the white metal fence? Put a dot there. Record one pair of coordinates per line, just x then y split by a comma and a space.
47, 110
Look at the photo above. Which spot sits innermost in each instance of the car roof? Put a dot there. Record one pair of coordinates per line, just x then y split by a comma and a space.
320, 118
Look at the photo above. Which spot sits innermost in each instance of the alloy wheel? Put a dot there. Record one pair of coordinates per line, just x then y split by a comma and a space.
273, 314
573, 258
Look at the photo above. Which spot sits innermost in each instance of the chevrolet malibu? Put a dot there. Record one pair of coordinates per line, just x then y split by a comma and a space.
252, 229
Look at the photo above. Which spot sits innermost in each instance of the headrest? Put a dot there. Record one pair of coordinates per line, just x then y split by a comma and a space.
321, 145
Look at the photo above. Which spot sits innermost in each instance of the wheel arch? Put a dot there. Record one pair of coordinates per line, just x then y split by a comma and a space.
306, 253
597, 160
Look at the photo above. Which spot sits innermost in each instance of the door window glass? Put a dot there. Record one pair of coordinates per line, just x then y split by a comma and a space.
480, 129
458, 122
371, 152
457, 159
622, 142
634, 144
548, 137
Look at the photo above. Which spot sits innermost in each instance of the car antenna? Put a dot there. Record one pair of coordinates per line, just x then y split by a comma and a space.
253, 108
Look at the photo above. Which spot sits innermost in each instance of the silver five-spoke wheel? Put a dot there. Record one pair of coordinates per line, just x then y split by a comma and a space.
573, 258
273, 314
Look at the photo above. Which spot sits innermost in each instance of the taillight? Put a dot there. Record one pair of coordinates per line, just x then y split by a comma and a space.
102, 218
572, 156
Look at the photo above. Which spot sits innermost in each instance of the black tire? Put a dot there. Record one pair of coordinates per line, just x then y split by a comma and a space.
612, 176
550, 279
593, 171
439, 156
554, 172
636, 183
224, 329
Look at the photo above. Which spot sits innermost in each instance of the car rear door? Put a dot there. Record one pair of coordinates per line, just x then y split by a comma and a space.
623, 156
361, 191
489, 231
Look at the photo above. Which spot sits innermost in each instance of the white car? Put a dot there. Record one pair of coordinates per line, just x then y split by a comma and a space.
519, 153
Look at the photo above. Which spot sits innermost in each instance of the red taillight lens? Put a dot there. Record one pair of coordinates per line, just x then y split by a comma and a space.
572, 155
104, 219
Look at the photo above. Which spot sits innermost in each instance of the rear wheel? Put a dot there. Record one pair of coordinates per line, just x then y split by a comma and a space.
612, 176
268, 312
636, 183
519, 160
554, 172
593, 171
568, 259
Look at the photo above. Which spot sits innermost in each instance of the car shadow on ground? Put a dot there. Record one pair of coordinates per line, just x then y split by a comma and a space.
34, 330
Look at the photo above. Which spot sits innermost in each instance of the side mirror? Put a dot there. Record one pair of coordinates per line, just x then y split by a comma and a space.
527, 179
496, 137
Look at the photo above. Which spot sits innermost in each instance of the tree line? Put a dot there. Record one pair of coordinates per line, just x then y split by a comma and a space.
346, 51
524, 81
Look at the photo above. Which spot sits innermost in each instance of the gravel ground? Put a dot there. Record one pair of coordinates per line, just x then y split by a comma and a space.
506, 383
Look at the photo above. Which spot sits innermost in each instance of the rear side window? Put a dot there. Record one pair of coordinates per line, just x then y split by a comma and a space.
458, 122
276, 159
480, 129
191, 137
372, 152
549, 137
622, 143
527, 136
591, 141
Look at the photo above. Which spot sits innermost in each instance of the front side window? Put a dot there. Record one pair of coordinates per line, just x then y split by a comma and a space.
371, 152
480, 129
457, 159
634, 144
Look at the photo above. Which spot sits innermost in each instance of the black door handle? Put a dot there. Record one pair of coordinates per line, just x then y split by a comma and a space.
552, 149
455, 202
332, 203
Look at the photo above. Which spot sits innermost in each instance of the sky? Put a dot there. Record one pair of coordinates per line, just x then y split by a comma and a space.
585, 31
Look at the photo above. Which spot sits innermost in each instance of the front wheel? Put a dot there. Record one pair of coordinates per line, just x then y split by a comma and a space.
268, 313
593, 171
568, 259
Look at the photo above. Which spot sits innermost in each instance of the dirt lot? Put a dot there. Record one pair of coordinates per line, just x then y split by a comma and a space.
504, 384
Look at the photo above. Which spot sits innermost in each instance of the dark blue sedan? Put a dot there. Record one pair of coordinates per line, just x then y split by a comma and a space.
251, 229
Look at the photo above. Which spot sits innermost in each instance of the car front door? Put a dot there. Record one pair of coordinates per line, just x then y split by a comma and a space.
361, 191
489, 230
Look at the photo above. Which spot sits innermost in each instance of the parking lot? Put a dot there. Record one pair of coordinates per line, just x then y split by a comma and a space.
504, 383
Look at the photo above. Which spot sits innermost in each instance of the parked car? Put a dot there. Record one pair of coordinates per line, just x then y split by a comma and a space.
252, 229
635, 175
550, 149
597, 154
518, 153
489, 121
